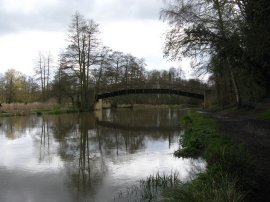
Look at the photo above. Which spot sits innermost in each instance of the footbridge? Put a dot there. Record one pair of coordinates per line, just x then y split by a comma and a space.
149, 91
168, 91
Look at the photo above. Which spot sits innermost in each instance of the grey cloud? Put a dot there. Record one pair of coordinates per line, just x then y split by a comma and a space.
57, 18
129, 10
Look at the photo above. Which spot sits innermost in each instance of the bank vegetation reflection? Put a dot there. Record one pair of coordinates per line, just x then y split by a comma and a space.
86, 144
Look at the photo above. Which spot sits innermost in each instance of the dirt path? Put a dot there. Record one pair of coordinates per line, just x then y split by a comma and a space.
255, 134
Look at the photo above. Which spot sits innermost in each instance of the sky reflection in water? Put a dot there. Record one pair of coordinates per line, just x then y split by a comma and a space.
75, 157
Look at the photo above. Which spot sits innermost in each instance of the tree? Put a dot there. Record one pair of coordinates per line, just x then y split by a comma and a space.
256, 42
118, 64
133, 70
82, 53
205, 29
104, 69
2, 88
18, 87
65, 85
11, 77
42, 69
233, 37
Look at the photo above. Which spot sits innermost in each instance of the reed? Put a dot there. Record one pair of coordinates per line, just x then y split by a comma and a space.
23, 107
207, 187
38, 108
150, 189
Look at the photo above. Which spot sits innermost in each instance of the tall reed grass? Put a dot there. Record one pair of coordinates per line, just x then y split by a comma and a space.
150, 189
21, 107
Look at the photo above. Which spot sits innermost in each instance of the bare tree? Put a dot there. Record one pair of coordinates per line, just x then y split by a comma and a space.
43, 71
81, 53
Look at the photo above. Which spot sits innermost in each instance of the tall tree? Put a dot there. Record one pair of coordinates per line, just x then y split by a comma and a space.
256, 41
82, 53
65, 84
202, 29
43, 69
2, 88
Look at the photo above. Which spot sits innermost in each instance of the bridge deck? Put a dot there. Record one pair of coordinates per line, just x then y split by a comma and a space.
149, 91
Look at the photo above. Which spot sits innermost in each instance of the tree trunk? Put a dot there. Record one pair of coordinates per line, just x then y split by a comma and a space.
235, 86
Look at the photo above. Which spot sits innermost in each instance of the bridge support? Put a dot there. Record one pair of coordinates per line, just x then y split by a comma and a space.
98, 105
98, 115
205, 98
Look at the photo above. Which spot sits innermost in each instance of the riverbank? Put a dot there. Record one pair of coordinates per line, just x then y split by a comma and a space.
233, 172
36, 108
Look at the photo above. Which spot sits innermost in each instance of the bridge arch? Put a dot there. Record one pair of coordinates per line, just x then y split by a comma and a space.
149, 91
130, 91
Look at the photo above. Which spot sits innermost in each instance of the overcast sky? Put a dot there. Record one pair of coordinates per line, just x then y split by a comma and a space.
130, 26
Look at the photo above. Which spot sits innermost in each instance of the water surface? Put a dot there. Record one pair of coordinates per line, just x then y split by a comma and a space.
87, 157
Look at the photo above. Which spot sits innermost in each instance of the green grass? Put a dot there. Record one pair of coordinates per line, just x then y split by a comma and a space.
17, 113
206, 187
231, 173
57, 109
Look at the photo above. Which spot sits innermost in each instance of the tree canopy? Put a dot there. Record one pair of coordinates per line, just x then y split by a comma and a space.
228, 38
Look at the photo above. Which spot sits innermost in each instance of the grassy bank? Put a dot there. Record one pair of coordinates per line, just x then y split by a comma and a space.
21, 109
231, 172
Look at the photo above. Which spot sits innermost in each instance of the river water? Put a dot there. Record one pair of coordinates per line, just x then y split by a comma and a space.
87, 157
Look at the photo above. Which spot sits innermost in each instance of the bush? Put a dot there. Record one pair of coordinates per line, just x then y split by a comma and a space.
55, 110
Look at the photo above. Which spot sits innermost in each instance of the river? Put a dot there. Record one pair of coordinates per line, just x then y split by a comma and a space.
89, 156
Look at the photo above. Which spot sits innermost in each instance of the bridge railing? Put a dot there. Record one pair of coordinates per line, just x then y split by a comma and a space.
147, 85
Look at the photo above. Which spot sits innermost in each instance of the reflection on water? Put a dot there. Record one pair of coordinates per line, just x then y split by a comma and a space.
76, 157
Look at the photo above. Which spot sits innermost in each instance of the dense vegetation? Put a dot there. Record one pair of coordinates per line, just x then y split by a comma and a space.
231, 175
229, 39
231, 172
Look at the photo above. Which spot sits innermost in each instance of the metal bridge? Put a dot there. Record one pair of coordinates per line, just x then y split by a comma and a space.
167, 91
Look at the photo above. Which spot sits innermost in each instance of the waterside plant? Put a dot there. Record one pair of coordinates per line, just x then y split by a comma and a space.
150, 189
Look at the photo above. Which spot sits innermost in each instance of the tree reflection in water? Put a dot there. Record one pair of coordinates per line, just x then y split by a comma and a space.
84, 145
90, 151
44, 150
15, 127
81, 150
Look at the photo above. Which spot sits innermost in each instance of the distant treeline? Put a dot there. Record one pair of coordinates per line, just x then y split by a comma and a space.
16, 87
